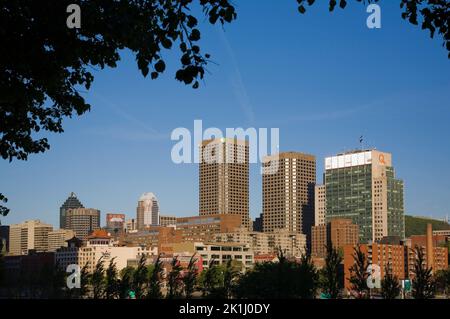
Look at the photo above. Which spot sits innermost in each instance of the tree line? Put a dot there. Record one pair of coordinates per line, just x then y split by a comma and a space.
285, 279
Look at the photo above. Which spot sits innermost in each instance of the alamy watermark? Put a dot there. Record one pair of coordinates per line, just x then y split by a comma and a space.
213, 146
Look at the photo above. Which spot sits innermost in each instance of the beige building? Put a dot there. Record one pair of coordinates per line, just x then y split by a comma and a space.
100, 245
167, 220
320, 205
291, 244
29, 235
216, 253
224, 178
58, 238
288, 192
83, 221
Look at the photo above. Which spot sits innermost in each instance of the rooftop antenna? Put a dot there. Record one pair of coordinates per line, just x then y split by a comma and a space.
361, 140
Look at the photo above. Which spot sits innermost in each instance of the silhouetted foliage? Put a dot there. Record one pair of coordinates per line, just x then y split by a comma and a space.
211, 280
331, 276
156, 279
359, 274
126, 282
190, 277
3, 210
111, 281
98, 280
423, 285
140, 278
390, 285
442, 280
433, 15
174, 280
282, 280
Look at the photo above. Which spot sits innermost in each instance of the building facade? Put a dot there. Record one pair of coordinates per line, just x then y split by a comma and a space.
224, 178
147, 211
71, 202
288, 192
58, 238
320, 205
167, 220
83, 221
29, 235
361, 186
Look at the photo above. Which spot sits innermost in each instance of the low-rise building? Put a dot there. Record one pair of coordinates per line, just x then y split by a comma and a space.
337, 233
58, 238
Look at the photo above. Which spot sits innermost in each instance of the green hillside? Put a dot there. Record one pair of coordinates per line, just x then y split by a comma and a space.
418, 226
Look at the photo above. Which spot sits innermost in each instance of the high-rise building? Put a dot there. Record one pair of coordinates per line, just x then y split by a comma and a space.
258, 223
288, 193
70, 203
320, 205
361, 186
29, 235
130, 225
82, 221
337, 233
224, 178
58, 238
147, 211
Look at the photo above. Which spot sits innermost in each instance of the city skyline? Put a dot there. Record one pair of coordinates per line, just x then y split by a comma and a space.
121, 149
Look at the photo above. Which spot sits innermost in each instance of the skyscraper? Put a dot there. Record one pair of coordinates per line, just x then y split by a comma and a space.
288, 193
320, 205
71, 202
82, 221
147, 211
29, 235
361, 186
224, 178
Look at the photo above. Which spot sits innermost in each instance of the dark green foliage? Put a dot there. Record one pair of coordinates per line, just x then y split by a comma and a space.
98, 280
190, 277
174, 280
432, 15
358, 274
111, 281
418, 226
126, 282
423, 285
156, 278
390, 285
140, 278
283, 280
3, 210
442, 280
331, 276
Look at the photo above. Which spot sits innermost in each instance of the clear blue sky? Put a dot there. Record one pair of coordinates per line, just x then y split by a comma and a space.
323, 79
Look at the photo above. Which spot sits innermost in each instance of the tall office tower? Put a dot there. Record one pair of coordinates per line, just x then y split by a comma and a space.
320, 205
224, 178
288, 193
82, 221
29, 235
147, 211
71, 202
361, 186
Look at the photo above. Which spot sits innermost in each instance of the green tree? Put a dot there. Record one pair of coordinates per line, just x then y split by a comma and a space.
140, 278
423, 285
431, 14
358, 274
211, 280
98, 280
126, 282
190, 277
156, 280
112, 281
174, 280
442, 279
390, 285
85, 278
331, 277
308, 278
231, 275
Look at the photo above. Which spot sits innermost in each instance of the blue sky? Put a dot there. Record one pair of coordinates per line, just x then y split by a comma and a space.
323, 78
